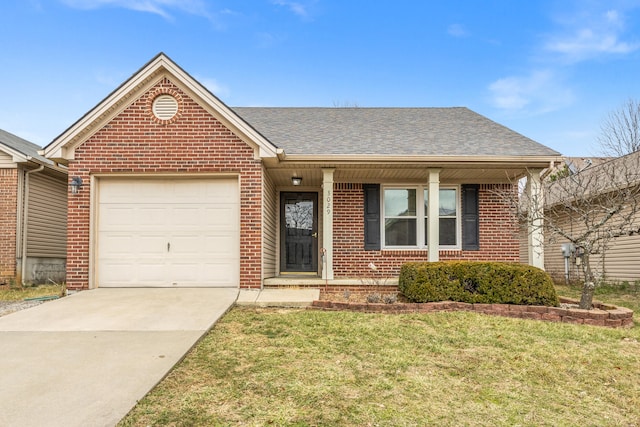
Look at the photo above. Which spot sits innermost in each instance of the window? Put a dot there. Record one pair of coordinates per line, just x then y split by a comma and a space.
405, 213
400, 217
448, 216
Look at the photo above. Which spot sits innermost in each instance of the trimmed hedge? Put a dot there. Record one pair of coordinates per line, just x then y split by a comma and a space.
477, 282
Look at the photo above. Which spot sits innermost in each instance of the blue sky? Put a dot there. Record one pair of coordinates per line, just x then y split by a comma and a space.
548, 69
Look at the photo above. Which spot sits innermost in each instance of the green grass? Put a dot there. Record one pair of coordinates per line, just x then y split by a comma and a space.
312, 368
14, 293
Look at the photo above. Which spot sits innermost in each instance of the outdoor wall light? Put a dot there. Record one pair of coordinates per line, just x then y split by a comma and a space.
296, 180
75, 184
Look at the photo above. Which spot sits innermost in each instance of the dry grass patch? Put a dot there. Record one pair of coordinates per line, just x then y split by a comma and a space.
312, 368
19, 293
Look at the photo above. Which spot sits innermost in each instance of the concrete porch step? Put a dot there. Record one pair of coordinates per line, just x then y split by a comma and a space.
278, 297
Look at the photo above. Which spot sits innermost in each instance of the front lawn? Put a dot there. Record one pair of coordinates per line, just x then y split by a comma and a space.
312, 368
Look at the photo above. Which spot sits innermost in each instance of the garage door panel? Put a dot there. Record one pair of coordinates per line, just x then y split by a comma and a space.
150, 245
224, 245
210, 274
169, 232
122, 217
135, 244
150, 272
226, 217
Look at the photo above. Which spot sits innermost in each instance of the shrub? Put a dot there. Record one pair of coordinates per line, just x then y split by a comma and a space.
374, 298
477, 282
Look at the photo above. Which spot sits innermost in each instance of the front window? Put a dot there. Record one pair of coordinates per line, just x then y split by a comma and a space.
400, 219
404, 206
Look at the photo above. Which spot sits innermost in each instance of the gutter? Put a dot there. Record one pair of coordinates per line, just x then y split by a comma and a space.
359, 158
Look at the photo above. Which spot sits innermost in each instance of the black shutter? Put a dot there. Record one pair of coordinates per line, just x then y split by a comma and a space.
470, 217
371, 217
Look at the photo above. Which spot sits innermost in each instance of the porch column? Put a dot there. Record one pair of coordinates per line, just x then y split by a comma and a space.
535, 222
433, 216
327, 224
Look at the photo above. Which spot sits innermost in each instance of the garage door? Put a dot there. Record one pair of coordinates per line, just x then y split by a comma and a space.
168, 233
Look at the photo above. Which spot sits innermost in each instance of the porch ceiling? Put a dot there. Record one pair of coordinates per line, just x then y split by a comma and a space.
397, 173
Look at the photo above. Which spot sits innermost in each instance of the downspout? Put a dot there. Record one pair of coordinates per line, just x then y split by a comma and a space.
25, 220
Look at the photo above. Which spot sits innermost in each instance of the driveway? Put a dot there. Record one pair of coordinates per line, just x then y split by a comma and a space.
86, 359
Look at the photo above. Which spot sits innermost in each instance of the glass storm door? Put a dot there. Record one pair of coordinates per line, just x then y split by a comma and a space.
299, 232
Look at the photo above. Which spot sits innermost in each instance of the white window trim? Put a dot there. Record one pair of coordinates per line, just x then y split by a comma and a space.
421, 215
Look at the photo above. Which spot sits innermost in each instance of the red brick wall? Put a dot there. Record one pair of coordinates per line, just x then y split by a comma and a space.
192, 142
8, 223
498, 236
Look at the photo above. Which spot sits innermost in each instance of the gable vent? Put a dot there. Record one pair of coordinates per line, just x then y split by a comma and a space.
165, 107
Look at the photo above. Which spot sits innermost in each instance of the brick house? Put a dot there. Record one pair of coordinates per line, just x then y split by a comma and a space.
33, 212
178, 189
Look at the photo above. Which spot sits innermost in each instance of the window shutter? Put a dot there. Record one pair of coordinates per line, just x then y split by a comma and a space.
470, 217
371, 217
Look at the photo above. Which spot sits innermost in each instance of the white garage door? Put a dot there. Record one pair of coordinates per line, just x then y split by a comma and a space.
168, 233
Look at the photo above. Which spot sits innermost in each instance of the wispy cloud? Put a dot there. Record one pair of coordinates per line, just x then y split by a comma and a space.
457, 30
592, 35
539, 92
302, 9
163, 8
214, 87
586, 32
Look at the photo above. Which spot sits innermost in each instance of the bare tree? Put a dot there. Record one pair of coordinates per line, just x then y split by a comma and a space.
620, 131
345, 104
591, 208
588, 209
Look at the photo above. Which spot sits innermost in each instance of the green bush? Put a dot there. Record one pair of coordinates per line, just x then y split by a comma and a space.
477, 282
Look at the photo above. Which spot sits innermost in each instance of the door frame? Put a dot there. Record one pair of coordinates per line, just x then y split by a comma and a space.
313, 195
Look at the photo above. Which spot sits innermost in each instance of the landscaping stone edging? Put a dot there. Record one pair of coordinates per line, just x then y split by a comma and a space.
600, 315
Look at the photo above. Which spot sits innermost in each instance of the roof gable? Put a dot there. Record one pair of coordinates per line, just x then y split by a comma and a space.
62, 148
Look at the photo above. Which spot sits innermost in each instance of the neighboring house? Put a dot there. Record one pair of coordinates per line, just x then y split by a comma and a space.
619, 259
33, 214
179, 189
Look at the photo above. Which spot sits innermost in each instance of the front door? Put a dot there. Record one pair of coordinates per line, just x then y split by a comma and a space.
299, 232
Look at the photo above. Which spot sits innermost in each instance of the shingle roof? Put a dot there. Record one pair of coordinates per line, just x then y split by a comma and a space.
388, 131
22, 146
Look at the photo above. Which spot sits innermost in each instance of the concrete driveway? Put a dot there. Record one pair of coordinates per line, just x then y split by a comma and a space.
86, 359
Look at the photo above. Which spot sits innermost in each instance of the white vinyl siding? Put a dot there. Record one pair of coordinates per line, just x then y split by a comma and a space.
618, 262
6, 161
270, 229
47, 217
622, 259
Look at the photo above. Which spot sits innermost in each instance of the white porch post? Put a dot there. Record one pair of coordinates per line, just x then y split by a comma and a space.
433, 216
327, 223
535, 221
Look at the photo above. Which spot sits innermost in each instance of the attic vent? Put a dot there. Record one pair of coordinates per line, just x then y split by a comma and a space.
165, 107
